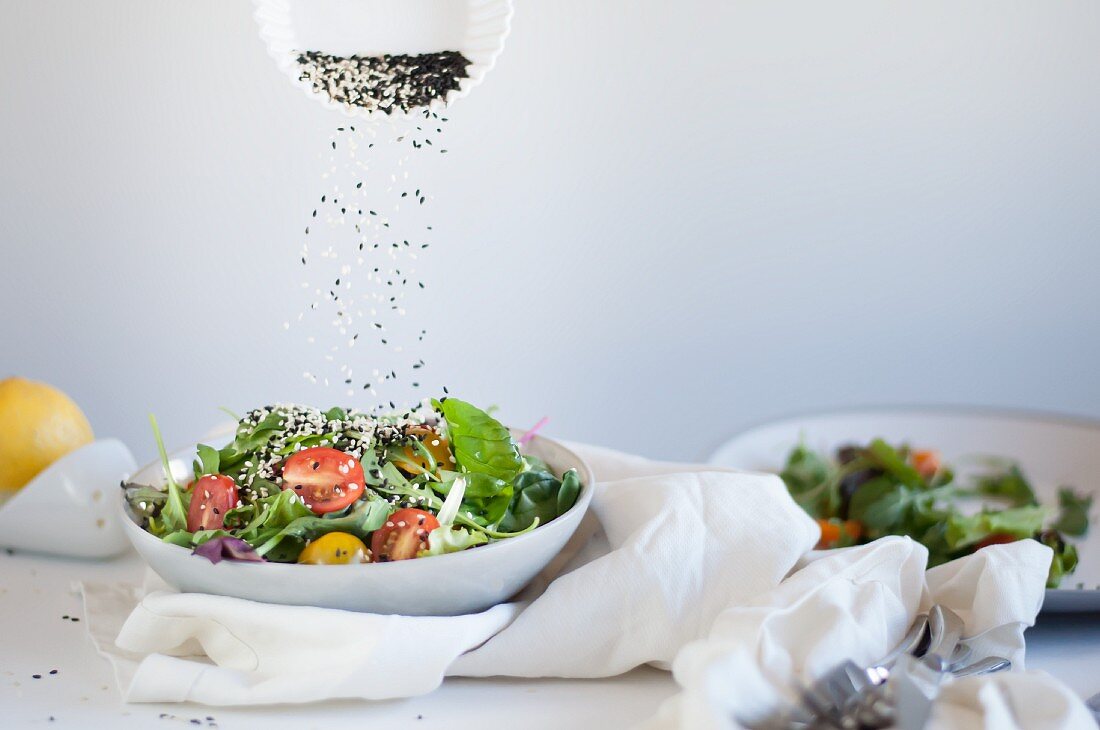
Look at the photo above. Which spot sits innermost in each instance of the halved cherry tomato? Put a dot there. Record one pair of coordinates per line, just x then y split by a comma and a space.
831, 532
434, 443
997, 538
211, 497
326, 479
926, 462
335, 548
403, 536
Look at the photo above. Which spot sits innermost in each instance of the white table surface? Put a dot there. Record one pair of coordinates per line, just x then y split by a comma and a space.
35, 593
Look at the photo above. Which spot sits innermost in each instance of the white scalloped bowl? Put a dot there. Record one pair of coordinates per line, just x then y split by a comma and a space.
443, 585
476, 28
68, 508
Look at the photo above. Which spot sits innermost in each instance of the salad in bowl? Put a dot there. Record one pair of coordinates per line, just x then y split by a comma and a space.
294, 487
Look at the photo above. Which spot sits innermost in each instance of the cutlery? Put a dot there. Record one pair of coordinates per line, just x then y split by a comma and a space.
832, 692
945, 627
897, 690
909, 643
913, 686
989, 665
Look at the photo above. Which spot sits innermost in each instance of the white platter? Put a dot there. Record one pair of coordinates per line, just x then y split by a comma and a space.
1053, 451
442, 585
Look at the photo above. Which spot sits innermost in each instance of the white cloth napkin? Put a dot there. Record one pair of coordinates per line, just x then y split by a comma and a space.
704, 570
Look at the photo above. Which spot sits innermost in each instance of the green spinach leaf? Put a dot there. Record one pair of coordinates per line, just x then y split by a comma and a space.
893, 463
1073, 516
535, 501
1010, 485
882, 505
481, 444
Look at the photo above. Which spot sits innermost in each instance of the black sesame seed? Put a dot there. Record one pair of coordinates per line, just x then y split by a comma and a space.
383, 83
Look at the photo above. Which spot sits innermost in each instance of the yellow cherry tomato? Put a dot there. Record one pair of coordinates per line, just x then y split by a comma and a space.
335, 548
414, 462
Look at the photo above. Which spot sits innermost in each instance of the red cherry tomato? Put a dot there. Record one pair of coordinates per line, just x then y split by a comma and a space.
211, 497
997, 538
403, 536
326, 479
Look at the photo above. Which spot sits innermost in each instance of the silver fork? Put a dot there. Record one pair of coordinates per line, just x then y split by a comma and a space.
832, 693
833, 696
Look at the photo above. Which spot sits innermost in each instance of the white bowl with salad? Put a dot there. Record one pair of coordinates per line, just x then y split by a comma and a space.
439, 510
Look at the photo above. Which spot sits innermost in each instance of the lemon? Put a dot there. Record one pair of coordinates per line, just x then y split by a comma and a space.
38, 425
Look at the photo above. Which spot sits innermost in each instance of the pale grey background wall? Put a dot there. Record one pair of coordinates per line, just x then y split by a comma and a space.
658, 222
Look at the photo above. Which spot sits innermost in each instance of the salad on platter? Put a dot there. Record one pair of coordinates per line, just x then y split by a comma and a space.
301, 485
868, 492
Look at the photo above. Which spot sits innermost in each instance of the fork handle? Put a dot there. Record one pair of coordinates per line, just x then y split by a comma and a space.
989, 665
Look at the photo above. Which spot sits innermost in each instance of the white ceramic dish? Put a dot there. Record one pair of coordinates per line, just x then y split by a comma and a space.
69, 508
476, 28
443, 585
1052, 451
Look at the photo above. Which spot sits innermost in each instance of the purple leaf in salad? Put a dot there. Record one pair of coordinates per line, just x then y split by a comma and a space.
226, 547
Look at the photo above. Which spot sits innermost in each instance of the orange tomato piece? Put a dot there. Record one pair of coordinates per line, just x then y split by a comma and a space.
926, 462
434, 443
832, 532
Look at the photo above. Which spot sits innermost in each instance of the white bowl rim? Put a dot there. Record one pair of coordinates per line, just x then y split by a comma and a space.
583, 499
1035, 415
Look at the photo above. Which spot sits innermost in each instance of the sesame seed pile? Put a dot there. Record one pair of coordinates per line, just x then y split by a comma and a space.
286, 424
384, 83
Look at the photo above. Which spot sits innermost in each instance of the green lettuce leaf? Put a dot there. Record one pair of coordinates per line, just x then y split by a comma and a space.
207, 462
882, 505
485, 500
893, 463
1064, 560
449, 539
267, 516
1010, 485
965, 530
173, 516
813, 482
366, 517
1073, 516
